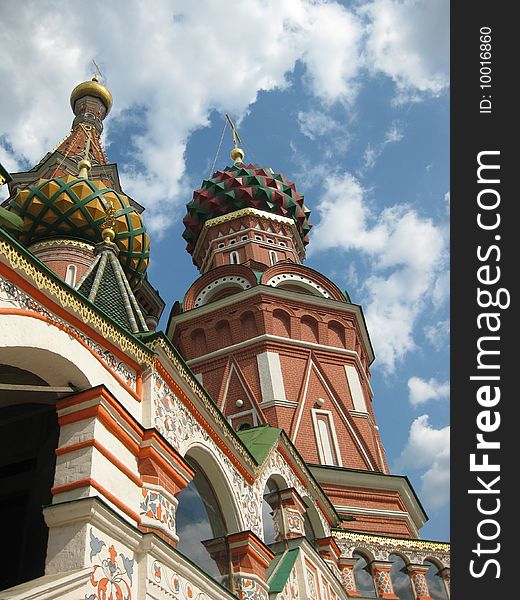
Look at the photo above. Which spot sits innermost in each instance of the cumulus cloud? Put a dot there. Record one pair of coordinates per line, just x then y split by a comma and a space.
421, 391
398, 289
428, 449
174, 66
399, 46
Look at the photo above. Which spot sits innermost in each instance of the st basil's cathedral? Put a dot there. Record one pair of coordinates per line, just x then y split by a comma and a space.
235, 454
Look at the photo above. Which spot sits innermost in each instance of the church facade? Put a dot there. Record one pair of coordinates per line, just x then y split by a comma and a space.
234, 455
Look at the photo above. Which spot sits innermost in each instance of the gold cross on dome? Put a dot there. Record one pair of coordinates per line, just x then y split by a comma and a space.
236, 137
97, 76
237, 154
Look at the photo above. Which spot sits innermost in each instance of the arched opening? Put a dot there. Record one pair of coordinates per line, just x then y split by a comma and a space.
435, 582
310, 534
313, 526
28, 439
248, 325
309, 329
336, 335
223, 332
70, 275
268, 514
362, 576
198, 339
400, 578
199, 518
281, 323
234, 257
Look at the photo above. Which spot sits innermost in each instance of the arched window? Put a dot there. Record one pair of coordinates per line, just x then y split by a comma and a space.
200, 519
328, 449
435, 582
363, 579
270, 530
400, 578
70, 275
273, 257
234, 258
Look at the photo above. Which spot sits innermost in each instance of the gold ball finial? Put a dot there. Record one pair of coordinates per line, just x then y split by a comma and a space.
237, 155
84, 166
108, 234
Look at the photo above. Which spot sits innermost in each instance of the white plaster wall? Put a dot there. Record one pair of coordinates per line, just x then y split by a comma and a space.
56, 357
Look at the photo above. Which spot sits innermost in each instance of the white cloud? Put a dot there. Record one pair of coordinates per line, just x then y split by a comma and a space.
438, 334
401, 47
371, 154
421, 391
174, 65
407, 255
428, 449
314, 124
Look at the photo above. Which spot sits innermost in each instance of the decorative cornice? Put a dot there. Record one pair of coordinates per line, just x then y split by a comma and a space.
242, 213
403, 543
60, 242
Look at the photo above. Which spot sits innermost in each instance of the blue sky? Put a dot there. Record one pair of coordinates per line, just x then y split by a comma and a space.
349, 99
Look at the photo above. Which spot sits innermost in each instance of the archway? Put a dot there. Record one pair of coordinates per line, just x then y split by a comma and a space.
268, 515
400, 578
206, 514
28, 439
435, 583
199, 518
362, 577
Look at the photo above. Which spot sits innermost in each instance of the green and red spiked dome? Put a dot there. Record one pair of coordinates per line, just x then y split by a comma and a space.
244, 186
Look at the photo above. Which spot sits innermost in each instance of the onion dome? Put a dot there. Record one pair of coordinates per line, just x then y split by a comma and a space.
76, 208
92, 88
244, 186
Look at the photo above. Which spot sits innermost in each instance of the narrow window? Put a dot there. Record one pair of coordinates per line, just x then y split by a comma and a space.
273, 257
70, 275
234, 259
325, 434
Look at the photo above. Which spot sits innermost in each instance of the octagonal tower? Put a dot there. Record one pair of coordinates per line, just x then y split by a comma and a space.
275, 342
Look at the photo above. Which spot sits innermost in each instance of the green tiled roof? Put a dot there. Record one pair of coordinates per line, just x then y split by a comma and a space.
259, 440
282, 571
105, 285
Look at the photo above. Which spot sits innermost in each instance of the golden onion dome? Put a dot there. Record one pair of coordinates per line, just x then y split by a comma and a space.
77, 208
92, 88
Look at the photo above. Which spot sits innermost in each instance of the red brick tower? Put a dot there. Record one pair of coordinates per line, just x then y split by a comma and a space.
275, 342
